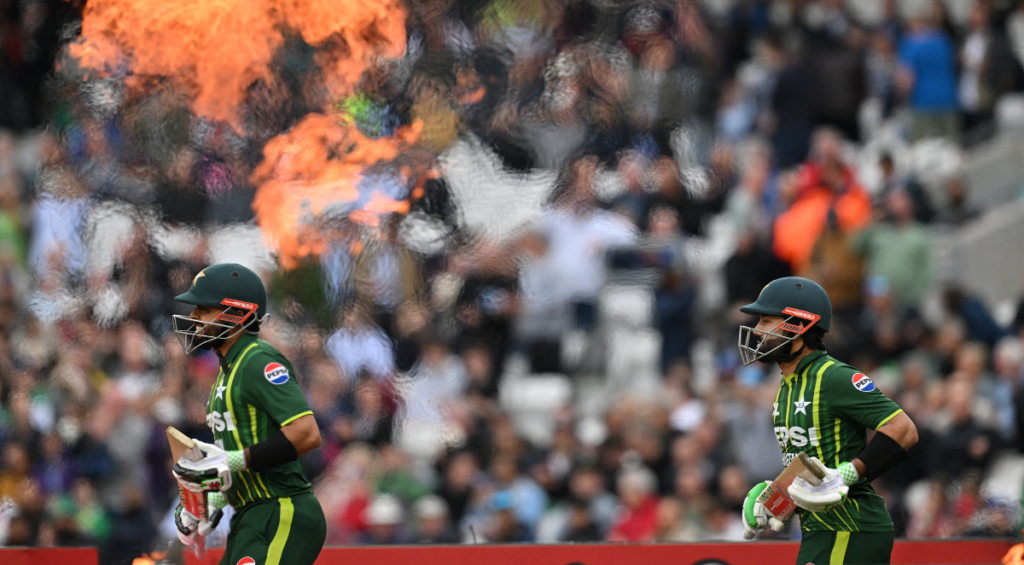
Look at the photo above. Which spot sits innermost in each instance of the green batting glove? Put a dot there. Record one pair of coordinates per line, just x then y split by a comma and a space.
755, 517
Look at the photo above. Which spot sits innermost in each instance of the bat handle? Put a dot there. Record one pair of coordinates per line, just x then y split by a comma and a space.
814, 469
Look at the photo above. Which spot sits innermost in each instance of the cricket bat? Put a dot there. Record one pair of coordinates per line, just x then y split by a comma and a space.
776, 499
193, 503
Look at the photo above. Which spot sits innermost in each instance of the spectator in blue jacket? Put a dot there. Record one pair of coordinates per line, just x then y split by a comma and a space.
928, 78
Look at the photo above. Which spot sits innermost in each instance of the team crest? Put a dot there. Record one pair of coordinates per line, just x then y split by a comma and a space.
862, 383
276, 373
246, 561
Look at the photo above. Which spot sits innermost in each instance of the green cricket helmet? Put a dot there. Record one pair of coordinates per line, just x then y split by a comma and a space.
796, 299
230, 286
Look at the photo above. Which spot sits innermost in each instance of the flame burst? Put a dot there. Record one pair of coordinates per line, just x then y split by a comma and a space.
214, 50
319, 164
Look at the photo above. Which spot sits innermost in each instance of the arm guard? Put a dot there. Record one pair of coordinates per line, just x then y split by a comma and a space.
275, 450
881, 454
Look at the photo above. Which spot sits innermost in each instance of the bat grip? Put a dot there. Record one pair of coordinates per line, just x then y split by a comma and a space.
814, 469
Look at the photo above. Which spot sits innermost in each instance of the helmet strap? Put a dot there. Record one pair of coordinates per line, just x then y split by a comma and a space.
792, 355
213, 343
223, 362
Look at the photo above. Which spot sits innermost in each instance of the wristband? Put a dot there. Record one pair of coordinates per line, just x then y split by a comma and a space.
849, 473
236, 460
275, 450
881, 454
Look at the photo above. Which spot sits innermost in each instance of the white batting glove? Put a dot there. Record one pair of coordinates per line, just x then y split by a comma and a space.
829, 493
212, 472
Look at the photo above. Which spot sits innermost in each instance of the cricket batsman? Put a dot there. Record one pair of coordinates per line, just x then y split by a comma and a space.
261, 423
824, 407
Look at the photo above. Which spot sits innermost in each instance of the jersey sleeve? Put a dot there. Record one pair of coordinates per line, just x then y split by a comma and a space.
854, 396
270, 386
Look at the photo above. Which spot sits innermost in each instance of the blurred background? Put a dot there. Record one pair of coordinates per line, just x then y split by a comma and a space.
505, 242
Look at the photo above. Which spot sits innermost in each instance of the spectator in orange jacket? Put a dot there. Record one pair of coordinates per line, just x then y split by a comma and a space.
797, 229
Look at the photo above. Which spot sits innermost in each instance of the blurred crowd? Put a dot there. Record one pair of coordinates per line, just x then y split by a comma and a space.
701, 150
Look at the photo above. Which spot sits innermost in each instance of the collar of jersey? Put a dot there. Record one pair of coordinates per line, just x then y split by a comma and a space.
239, 347
804, 363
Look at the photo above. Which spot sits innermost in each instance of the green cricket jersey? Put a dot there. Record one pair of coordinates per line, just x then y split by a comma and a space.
249, 403
823, 409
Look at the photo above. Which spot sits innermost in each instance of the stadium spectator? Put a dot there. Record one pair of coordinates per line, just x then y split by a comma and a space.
581, 526
928, 77
589, 509
671, 527
964, 444
979, 323
832, 190
502, 525
722, 524
1008, 364
793, 105
385, 516
359, 344
957, 211
433, 526
898, 250
639, 519
16, 470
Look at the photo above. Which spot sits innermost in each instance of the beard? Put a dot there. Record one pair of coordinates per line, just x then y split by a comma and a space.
212, 344
776, 346
213, 341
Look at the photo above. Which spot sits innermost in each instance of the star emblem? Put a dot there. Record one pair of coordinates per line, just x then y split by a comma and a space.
220, 391
801, 407
196, 280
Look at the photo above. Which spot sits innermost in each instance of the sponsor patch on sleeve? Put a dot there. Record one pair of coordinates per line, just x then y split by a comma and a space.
277, 373
862, 383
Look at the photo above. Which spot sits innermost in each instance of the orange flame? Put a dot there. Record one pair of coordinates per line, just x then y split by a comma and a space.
318, 163
214, 50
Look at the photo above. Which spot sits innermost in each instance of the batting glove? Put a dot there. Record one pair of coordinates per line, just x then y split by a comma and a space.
189, 526
756, 517
212, 472
829, 493
215, 502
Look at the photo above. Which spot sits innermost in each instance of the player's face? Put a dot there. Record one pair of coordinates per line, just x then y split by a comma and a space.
201, 329
206, 314
766, 342
770, 342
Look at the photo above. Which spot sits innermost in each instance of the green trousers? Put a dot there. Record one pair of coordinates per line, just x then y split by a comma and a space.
288, 530
841, 548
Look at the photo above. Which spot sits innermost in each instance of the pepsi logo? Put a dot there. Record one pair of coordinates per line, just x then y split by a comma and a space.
276, 373
862, 383
246, 561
